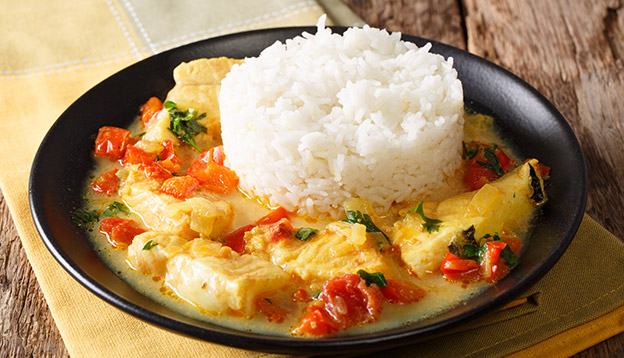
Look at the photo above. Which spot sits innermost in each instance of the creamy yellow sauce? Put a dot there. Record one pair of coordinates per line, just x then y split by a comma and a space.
441, 294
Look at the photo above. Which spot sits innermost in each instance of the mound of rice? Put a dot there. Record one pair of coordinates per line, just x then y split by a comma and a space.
323, 118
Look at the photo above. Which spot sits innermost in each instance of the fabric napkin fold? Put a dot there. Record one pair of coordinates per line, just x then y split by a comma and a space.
53, 51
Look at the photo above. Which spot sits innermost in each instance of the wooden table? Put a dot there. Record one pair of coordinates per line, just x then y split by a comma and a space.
571, 51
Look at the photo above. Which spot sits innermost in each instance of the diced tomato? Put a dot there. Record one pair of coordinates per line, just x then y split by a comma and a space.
214, 177
494, 249
120, 232
499, 271
150, 109
274, 216
300, 295
489, 265
345, 301
111, 142
477, 176
168, 159
281, 230
214, 155
402, 292
236, 239
107, 183
514, 244
272, 312
136, 155
316, 322
455, 268
179, 187
504, 161
349, 301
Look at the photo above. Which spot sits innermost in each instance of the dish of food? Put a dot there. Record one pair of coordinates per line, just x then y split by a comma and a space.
176, 196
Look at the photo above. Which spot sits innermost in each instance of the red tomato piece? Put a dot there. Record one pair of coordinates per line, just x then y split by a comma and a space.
236, 239
217, 155
477, 176
349, 301
494, 249
168, 159
214, 155
504, 161
274, 216
499, 271
316, 322
457, 269
281, 230
272, 312
514, 244
402, 292
136, 155
107, 183
150, 109
120, 232
179, 187
214, 177
111, 142
490, 268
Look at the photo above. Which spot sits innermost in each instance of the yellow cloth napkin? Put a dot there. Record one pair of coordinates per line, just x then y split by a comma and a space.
55, 50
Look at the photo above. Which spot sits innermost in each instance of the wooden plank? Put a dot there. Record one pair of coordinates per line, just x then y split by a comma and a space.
436, 20
27, 326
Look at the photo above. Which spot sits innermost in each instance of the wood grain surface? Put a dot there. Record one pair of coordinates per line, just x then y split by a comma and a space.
571, 51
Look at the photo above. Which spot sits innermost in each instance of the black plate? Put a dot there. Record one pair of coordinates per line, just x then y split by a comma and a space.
64, 159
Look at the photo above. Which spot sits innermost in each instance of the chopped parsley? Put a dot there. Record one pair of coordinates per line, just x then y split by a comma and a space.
356, 217
377, 278
85, 218
428, 224
492, 161
305, 233
268, 300
510, 258
114, 208
184, 124
149, 245
469, 154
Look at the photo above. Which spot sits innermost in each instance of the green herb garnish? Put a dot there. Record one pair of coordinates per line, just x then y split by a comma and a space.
492, 161
316, 295
114, 208
356, 217
305, 233
474, 252
184, 124
510, 258
149, 245
84, 218
268, 300
377, 278
429, 225
469, 154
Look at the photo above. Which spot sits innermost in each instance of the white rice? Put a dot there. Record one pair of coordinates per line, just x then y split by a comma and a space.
324, 118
